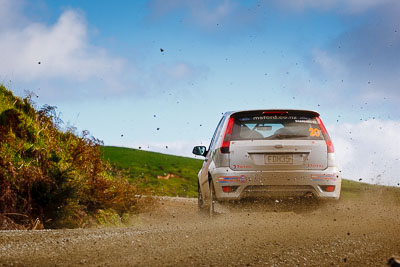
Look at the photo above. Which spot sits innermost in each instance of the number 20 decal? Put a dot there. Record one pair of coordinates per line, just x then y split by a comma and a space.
314, 132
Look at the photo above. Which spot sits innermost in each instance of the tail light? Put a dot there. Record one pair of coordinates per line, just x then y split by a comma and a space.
226, 189
229, 189
327, 138
328, 188
227, 136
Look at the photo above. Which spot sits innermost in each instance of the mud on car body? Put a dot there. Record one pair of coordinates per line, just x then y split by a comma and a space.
266, 154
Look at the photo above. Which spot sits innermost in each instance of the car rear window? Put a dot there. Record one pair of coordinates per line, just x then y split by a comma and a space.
276, 128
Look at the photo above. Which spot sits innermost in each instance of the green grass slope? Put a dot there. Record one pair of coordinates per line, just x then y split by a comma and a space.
353, 189
144, 167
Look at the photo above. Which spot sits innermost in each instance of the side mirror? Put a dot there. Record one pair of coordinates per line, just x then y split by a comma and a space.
200, 151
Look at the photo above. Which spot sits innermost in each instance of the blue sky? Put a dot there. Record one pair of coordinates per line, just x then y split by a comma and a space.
101, 64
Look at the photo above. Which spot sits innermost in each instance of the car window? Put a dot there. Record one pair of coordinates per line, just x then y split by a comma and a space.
276, 127
216, 133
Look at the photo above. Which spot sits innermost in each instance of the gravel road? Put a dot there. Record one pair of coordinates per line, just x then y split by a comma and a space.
358, 232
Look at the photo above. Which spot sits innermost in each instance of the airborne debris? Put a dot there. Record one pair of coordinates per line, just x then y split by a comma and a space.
162, 50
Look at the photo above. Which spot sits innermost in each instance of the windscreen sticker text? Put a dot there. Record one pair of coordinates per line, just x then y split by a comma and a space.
311, 121
275, 117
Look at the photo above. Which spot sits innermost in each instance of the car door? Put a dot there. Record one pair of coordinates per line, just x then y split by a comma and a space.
203, 176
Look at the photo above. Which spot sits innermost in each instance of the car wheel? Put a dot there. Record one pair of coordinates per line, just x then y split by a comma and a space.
200, 201
212, 199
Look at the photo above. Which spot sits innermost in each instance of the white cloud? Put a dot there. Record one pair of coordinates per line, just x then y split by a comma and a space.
365, 57
213, 16
167, 74
10, 13
179, 71
63, 50
71, 67
368, 150
348, 6
329, 65
204, 13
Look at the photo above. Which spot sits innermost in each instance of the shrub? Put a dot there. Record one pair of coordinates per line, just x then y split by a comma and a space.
53, 176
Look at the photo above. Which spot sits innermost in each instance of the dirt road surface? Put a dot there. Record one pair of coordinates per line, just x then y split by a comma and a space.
358, 232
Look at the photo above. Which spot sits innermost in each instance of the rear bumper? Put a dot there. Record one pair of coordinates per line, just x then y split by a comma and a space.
272, 184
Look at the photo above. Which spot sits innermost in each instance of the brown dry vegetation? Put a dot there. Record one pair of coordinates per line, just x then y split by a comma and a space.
51, 177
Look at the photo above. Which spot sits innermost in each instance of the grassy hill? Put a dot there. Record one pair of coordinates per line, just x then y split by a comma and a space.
353, 189
160, 173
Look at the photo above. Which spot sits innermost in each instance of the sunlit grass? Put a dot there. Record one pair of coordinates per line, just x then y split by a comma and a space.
145, 166
353, 189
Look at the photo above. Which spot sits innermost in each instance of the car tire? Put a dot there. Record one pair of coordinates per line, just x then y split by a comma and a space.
203, 210
212, 199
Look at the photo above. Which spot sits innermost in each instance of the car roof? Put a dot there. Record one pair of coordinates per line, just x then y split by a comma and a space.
290, 111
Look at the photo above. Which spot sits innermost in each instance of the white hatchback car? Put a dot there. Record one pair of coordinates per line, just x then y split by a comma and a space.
268, 154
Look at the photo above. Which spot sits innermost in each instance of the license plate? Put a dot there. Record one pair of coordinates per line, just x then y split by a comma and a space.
279, 159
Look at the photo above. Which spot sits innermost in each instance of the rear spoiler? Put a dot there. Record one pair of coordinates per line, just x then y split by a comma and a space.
277, 112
